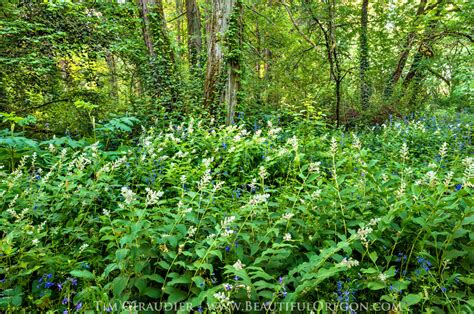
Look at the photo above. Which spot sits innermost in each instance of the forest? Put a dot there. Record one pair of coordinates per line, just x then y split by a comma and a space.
233, 156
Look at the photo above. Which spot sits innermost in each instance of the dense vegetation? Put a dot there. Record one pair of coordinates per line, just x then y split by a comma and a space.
232, 155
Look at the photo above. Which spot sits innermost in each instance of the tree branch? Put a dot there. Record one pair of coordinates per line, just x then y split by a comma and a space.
312, 43
44, 105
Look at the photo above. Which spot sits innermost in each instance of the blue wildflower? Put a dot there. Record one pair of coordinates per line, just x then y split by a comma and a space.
79, 306
443, 289
65, 301
73, 281
49, 284
200, 310
60, 286
458, 187
280, 280
236, 278
227, 248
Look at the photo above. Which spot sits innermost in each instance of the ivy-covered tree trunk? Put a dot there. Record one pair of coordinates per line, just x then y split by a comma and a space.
364, 57
234, 56
110, 59
335, 68
144, 15
218, 24
193, 16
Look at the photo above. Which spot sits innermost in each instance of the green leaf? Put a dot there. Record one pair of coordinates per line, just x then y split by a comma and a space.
373, 256
84, 274
375, 285
121, 254
119, 284
412, 299
175, 295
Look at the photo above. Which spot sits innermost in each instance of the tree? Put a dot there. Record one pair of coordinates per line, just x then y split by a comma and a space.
193, 16
364, 57
217, 27
144, 15
233, 61
402, 59
328, 29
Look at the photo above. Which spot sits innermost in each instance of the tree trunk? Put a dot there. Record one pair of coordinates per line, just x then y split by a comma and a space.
334, 59
364, 58
163, 31
234, 62
216, 29
179, 12
144, 15
402, 59
193, 17
109, 58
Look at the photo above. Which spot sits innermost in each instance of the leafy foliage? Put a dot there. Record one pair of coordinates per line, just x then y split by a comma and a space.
212, 215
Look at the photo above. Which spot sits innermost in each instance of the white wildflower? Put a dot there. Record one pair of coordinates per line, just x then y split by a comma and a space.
362, 234
447, 179
218, 185
468, 171
238, 265
349, 262
273, 132
183, 179
223, 299
401, 190
314, 167
106, 212
191, 231
206, 178
83, 247
293, 142
431, 176
180, 154
253, 184
207, 161
259, 198
316, 194
404, 151
187, 210
227, 221
35, 241
443, 150
52, 148
333, 146
128, 194
227, 232
262, 172
383, 277
152, 197
287, 216
287, 237
356, 142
